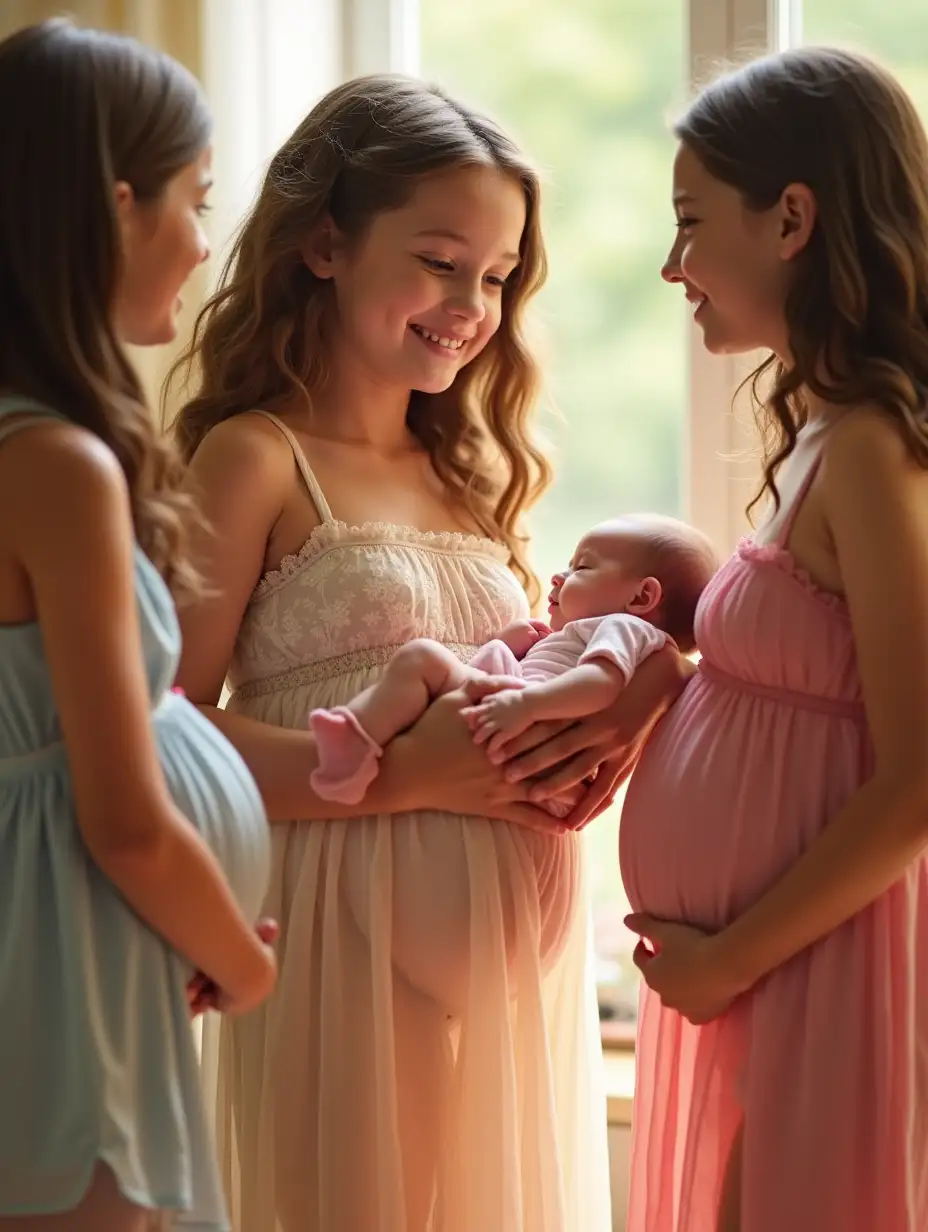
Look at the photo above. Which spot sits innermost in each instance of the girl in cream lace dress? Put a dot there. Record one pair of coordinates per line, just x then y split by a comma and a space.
430, 1061
479, 921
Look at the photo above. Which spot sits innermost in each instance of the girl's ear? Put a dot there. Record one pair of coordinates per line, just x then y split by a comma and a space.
322, 248
798, 211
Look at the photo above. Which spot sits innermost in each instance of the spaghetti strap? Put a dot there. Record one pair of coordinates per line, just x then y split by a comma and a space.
782, 537
20, 412
312, 483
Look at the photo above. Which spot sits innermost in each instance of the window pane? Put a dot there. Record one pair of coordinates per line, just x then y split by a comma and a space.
587, 88
895, 33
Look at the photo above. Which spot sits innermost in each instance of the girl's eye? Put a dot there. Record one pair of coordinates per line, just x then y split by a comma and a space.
433, 263
496, 281
684, 223
203, 208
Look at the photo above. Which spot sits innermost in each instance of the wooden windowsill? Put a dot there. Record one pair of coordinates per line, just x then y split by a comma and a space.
620, 1085
618, 1034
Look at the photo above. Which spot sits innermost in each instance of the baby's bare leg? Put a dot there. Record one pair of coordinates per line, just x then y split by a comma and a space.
350, 739
418, 673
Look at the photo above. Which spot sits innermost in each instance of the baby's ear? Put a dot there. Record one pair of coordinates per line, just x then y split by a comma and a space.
647, 597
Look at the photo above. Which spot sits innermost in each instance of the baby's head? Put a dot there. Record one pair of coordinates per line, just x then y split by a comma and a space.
647, 566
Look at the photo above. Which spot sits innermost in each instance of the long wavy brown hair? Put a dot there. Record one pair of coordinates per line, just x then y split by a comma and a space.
81, 111
261, 340
857, 307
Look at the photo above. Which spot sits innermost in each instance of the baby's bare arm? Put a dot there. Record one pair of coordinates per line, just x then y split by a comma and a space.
581, 691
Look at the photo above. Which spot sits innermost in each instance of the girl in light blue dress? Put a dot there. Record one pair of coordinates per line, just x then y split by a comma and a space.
133, 843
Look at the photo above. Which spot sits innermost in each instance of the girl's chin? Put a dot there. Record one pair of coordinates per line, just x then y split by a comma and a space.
718, 340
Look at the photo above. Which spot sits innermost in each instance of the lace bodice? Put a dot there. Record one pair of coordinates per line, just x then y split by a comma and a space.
353, 594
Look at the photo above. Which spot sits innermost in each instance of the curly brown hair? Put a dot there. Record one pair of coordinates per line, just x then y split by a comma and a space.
83, 110
260, 340
857, 308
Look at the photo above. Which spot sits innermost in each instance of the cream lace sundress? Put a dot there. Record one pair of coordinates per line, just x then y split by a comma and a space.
430, 1061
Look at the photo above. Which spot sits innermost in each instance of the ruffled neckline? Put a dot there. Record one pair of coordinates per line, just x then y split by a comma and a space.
333, 533
783, 559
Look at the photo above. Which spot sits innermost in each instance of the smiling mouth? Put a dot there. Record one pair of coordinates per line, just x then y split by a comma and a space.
439, 342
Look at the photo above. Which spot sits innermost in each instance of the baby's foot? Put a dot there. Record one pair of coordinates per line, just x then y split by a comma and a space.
347, 756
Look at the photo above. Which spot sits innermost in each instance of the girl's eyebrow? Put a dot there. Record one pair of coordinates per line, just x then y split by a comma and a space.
457, 238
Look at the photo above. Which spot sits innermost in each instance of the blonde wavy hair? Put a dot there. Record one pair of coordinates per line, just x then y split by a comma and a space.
857, 307
82, 110
261, 340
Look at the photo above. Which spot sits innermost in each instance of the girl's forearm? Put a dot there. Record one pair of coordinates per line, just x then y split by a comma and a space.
658, 682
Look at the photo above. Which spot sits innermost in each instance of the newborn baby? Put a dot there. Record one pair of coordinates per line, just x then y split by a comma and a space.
632, 586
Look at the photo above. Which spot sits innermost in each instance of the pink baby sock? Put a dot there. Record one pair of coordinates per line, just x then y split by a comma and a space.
347, 756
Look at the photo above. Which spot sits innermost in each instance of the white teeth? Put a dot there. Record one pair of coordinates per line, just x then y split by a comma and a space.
451, 344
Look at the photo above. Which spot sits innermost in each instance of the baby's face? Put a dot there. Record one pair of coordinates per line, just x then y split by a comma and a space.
604, 577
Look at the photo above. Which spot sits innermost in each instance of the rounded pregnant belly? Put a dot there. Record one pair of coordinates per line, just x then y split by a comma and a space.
464, 890
214, 789
729, 792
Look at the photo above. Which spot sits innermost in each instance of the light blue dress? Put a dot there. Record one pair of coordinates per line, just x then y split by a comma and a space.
97, 1055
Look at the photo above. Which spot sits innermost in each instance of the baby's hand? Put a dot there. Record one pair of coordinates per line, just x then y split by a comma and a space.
522, 635
479, 685
498, 719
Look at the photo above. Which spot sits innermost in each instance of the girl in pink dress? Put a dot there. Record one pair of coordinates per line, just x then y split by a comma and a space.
774, 833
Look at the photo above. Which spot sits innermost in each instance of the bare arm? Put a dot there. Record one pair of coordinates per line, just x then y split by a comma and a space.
578, 693
612, 647
504, 713
876, 503
556, 755
79, 558
241, 475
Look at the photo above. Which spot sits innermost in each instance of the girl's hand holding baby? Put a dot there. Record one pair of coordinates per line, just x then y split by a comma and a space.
436, 766
556, 755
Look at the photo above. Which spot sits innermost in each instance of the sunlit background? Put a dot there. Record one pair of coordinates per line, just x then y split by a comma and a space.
589, 87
